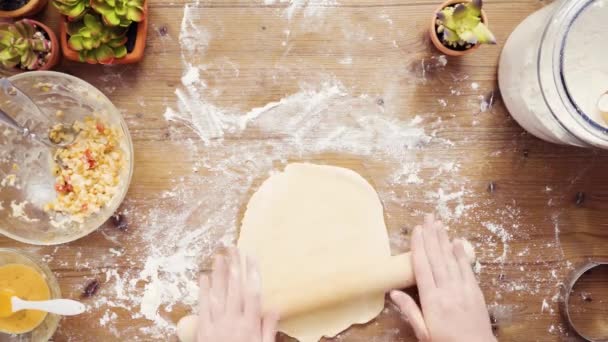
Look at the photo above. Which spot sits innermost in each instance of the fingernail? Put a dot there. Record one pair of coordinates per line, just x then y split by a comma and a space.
394, 298
424, 337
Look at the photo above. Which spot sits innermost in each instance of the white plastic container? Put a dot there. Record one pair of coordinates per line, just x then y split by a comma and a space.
554, 69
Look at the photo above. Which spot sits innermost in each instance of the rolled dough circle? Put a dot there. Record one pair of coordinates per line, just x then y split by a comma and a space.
313, 217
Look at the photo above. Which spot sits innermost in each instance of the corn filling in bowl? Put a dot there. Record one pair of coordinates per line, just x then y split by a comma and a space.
87, 172
53, 195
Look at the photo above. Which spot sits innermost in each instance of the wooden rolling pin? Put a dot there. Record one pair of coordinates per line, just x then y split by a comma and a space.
304, 293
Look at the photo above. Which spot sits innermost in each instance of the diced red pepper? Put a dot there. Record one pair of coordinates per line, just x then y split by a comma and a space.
88, 158
64, 188
84, 207
100, 127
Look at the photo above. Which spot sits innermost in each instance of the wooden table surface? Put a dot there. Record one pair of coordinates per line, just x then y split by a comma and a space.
529, 231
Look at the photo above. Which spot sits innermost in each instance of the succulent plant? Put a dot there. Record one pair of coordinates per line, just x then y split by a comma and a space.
460, 25
72, 8
119, 12
95, 42
23, 45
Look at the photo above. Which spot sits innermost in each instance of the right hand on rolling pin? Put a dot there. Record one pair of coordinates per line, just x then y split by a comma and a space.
453, 307
229, 303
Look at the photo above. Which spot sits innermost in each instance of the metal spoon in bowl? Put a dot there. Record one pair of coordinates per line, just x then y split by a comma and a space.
58, 136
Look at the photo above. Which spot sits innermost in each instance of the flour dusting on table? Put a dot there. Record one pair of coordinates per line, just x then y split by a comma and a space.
308, 7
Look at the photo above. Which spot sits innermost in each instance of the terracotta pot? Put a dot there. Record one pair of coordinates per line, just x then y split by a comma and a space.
33, 7
437, 41
132, 57
55, 48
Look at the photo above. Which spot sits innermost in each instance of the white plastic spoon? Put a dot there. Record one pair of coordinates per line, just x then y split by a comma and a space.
65, 307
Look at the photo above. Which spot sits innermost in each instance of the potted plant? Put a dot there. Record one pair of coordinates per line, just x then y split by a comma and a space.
458, 27
28, 45
72, 9
93, 42
21, 8
103, 31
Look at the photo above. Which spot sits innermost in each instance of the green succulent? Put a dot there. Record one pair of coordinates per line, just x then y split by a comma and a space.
119, 12
460, 25
95, 42
21, 44
72, 8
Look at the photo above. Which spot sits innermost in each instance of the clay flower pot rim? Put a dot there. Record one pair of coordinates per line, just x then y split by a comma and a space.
132, 57
435, 37
55, 48
30, 8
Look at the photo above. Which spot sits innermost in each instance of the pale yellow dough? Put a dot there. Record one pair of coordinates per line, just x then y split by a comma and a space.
313, 217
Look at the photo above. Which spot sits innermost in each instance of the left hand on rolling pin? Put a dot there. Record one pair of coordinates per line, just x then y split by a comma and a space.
230, 304
453, 306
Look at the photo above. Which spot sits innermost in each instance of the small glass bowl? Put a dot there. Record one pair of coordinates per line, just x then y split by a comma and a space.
62, 99
47, 328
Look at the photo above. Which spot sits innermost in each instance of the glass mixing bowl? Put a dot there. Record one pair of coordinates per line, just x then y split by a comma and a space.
27, 181
47, 328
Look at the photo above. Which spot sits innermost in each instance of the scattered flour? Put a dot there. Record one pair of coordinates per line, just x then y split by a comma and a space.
115, 251
449, 206
346, 60
193, 38
498, 230
432, 64
107, 318
544, 306
443, 60
9, 180
504, 236
308, 7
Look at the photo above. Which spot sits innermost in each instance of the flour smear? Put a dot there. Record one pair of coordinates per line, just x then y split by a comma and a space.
325, 117
307, 7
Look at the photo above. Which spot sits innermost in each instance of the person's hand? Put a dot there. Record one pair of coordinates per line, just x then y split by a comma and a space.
453, 307
230, 305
